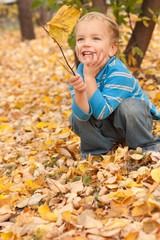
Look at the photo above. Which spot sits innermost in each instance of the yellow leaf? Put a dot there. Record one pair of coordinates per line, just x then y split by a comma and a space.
45, 124
46, 214
41, 125
122, 194
82, 168
19, 105
145, 23
120, 153
31, 159
29, 184
67, 130
3, 196
7, 236
151, 87
67, 215
67, 112
134, 184
49, 141
80, 238
3, 119
28, 129
61, 25
42, 230
58, 99
131, 60
89, 199
47, 99
5, 201
32, 153
140, 210
5, 127
132, 236
52, 125
155, 174
107, 159
158, 96
116, 223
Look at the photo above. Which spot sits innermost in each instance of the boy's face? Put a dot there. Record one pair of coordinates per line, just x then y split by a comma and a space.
93, 37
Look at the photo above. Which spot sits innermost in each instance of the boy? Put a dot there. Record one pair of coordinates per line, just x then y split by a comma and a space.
108, 103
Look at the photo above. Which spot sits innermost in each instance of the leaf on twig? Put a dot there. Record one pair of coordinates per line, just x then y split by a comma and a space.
61, 25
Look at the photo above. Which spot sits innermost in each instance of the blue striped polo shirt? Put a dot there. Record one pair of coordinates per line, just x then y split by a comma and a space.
114, 83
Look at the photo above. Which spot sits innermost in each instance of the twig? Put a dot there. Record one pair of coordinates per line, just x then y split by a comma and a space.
61, 51
64, 66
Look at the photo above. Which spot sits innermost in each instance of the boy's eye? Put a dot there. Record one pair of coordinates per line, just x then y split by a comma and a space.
96, 38
80, 39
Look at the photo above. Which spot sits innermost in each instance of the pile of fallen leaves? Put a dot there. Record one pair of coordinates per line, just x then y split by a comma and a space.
44, 192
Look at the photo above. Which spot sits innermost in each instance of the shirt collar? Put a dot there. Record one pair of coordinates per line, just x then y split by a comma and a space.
101, 73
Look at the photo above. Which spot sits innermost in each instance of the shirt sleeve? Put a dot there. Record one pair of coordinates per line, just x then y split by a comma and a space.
118, 85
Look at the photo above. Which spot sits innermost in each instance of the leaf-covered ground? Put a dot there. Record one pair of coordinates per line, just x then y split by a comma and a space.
44, 193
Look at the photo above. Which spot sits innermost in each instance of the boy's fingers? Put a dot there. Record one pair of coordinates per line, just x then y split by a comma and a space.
79, 86
101, 57
102, 60
76, 81
95, 58
75, 77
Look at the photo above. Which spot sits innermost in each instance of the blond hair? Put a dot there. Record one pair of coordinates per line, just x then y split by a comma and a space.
110, 23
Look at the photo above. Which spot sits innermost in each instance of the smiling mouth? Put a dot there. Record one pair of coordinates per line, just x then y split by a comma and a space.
88, 53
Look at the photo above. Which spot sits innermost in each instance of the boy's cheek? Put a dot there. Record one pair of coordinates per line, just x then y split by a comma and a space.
77, 50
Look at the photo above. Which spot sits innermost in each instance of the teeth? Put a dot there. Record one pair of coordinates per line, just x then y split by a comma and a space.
87, 53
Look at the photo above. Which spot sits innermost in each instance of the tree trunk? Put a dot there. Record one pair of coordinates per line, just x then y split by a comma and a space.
101, 5
25, 19
141, 34
44, 16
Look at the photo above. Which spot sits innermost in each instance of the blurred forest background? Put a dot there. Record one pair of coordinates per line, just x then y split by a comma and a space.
44, 193
138, 16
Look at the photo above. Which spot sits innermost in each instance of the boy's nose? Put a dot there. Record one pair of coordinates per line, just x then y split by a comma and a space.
87, 42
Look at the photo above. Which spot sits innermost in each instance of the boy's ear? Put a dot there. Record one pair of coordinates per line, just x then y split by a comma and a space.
113, 49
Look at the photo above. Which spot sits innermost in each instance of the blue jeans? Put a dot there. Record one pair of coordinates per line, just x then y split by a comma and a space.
130, 122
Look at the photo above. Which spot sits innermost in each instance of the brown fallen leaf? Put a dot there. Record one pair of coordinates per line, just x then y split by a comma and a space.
37, 145
5, 217
90, 222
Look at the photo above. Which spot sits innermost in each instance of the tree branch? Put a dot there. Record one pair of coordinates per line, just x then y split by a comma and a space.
61, 52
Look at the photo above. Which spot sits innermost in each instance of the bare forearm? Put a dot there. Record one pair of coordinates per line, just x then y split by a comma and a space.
91, 87
81, 98
82, 101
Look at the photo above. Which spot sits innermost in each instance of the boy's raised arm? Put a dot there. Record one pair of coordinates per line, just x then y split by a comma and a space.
80, 98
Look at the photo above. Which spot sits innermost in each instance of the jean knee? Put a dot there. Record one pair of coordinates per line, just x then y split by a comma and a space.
131, 108
75, 124
72, 121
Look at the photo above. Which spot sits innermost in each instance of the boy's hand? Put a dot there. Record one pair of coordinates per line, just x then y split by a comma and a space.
79, 86
77, 83
93, 66
92, 63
